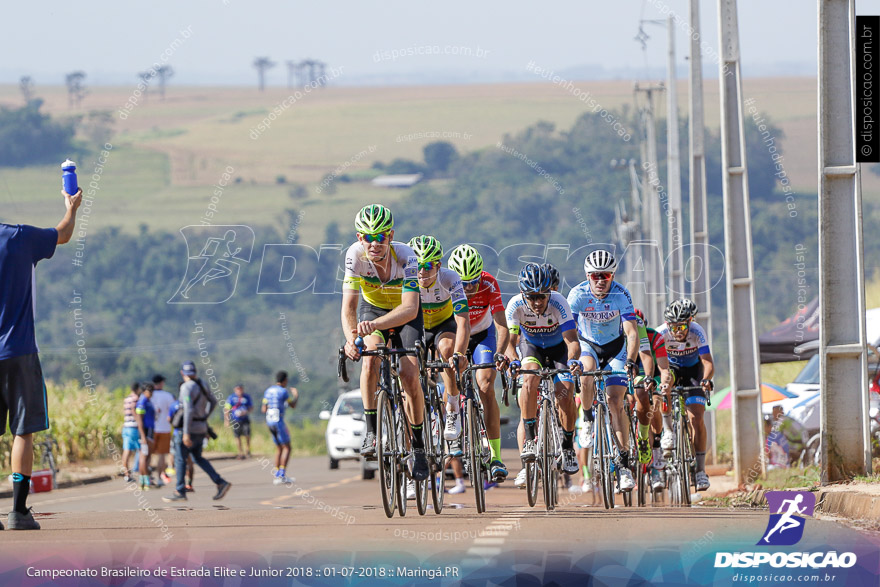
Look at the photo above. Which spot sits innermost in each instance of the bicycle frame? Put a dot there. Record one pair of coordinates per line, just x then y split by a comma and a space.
609, 461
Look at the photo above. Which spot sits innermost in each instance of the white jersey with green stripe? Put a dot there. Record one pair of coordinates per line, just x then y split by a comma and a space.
443, 298
361, 275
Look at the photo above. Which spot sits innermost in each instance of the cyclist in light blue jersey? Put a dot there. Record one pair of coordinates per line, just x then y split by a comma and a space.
543, 333
275, 400
610, 341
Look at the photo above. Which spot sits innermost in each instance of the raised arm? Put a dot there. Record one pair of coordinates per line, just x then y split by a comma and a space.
65, 227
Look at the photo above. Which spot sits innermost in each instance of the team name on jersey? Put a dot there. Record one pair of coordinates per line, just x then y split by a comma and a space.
600, 315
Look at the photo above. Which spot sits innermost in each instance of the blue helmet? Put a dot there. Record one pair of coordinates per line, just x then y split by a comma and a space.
534, 278
554, 275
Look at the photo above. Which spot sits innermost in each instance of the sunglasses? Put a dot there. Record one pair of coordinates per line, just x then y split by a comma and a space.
472, 282
375, 238
680, 327
536, 297
601, 276
428, 265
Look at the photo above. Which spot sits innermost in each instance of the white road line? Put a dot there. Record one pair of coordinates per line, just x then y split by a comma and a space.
483, 551
488, 541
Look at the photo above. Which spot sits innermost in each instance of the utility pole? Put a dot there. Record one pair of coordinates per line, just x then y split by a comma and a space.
673, 172
745, 380
651, 202
700, 278
843, 379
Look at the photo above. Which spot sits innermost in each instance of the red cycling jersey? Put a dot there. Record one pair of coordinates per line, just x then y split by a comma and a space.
484, 303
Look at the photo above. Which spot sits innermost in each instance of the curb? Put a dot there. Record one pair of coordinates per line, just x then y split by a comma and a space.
102, 478
847, 504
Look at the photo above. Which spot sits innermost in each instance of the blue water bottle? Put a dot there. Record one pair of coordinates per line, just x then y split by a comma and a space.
68, 177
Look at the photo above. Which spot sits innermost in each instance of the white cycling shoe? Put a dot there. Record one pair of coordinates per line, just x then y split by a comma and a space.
586, 434
453, 426
627, 483
667, 440
410, 490
520, 480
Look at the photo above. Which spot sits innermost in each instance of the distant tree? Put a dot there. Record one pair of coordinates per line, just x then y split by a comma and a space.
97, 126
76, 91
439, 156
163, 73
262, 64
28, 137
26, 85
404, 166
146, 77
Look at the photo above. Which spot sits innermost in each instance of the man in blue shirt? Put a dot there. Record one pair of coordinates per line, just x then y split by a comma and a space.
237, 415
275, 400
22, 390
145, 414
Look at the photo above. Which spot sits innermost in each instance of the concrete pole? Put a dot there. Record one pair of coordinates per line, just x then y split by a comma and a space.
699, 263
745, 380
843, 377
673, 174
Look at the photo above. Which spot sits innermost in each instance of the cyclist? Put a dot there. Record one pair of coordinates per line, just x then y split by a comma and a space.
276, 398
610, 340
648, 417
487, 323
691, 363
447, 327
387, 309
543, 331
520, 480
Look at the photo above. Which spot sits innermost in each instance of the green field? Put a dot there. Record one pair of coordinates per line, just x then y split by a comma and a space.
168, 155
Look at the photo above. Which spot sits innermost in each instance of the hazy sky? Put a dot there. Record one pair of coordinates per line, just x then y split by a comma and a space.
111, 40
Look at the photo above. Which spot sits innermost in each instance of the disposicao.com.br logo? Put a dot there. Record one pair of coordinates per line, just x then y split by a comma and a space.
788, 512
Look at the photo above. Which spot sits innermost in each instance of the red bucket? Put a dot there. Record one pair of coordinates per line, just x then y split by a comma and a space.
41, 481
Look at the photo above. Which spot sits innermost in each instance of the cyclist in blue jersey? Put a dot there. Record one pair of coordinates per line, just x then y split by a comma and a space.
275, 400
543, 333
690, 361
610, 341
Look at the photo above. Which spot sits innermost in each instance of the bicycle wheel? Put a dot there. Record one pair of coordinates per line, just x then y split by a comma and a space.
401, 460
599, 471
643, 483
475, 456
545, 453
386, 453
438, 460
684, 462
422, 486
609, 472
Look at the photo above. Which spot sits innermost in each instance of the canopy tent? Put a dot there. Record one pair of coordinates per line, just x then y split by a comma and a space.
777, 346
723, 400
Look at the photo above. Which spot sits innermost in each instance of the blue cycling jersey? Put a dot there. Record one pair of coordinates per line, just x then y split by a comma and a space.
543, 330
687, 352
275, 399
600, 320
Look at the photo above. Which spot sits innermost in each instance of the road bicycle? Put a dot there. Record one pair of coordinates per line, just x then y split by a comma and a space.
548, 464
606, 459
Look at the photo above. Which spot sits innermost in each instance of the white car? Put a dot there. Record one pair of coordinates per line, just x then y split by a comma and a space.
346, 427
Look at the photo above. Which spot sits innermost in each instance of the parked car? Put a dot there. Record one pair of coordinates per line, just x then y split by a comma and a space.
346, 427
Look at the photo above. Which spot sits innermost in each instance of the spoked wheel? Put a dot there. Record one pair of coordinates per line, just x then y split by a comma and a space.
674, 485
643, 482
438, 461
684, 463
401, 462
387, 454
475, 456
548, 464
598, 465
422, 486
532, 482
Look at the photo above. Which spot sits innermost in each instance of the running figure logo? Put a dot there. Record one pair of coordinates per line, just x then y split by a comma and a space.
215, 255
787, 508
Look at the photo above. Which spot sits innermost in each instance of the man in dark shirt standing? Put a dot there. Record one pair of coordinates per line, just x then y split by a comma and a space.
22, 390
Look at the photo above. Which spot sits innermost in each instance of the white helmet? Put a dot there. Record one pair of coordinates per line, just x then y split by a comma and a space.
600, 260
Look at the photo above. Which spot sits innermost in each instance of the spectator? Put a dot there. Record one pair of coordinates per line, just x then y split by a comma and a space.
178, 434
275, 400
146, 423
236, 414
197, 404
131, 440
22, 389
162, 401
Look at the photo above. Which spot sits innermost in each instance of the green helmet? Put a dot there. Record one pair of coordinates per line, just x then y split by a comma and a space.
427, 248
373, 219
466, 261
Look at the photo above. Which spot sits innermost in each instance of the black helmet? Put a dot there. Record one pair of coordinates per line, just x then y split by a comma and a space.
678, 311
554, 275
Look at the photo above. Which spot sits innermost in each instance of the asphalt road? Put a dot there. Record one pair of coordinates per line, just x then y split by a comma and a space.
332, 517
